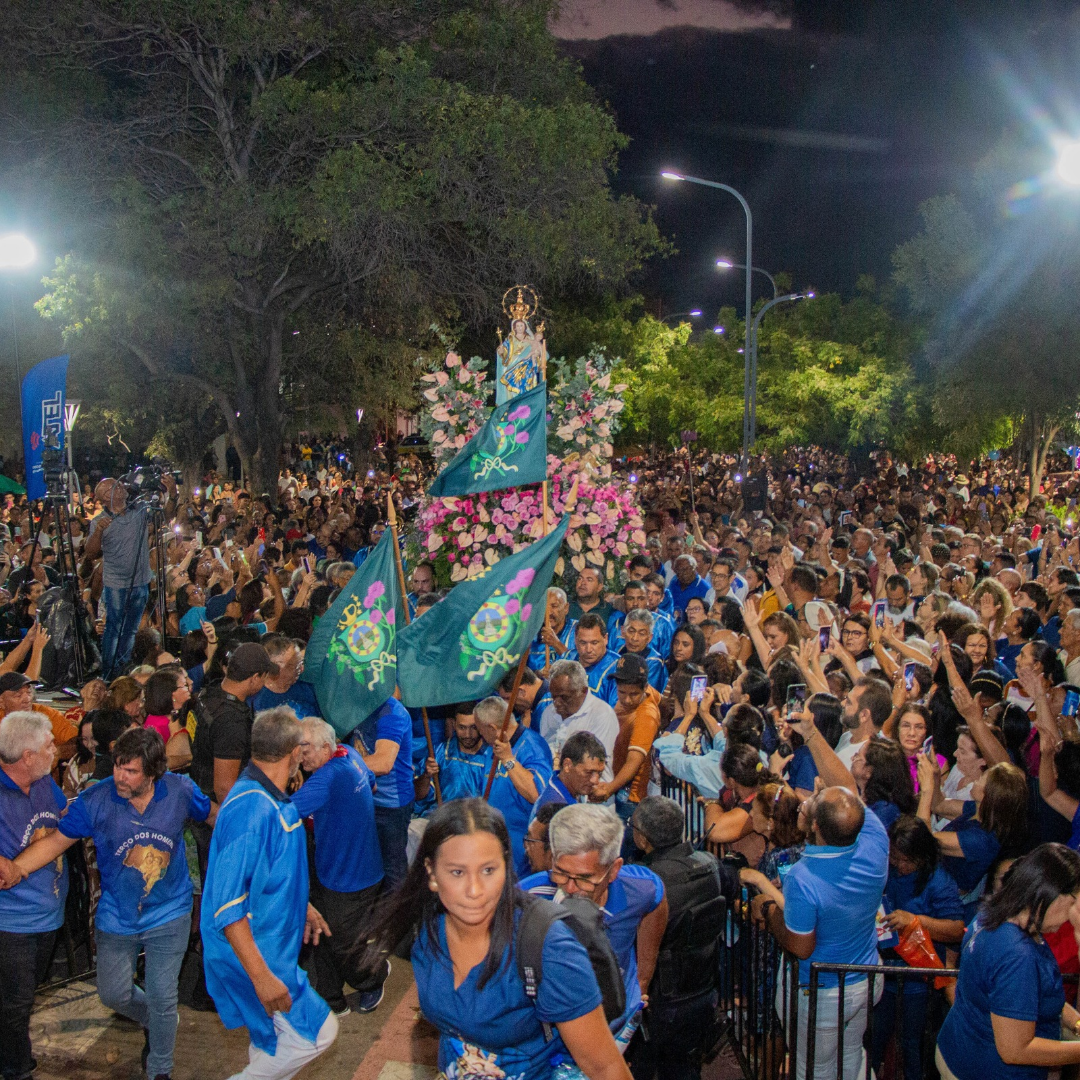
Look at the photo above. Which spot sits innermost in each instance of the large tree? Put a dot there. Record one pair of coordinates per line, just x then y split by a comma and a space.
993, 277
263, 181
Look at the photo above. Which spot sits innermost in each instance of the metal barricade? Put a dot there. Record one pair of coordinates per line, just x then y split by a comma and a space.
693, 805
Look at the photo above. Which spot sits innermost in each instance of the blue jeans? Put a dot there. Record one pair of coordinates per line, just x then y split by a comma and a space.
392, 829
154, 1008
123, 610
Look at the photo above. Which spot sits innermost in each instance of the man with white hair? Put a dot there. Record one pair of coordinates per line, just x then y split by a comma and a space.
338, 797
30, 807
585, 840
574, 707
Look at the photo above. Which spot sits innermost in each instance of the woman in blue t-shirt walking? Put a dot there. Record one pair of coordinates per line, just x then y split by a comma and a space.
462, 898
1010, 1007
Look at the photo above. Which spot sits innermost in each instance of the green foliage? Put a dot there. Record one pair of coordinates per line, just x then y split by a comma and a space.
278, 200
994, 281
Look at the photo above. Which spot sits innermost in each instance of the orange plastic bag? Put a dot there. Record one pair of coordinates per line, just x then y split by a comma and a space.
916, 948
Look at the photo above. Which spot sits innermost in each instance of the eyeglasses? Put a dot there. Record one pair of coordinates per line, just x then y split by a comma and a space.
535, 840
582, 881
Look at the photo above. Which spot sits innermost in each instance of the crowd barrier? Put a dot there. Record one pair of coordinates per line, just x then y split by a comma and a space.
759, 994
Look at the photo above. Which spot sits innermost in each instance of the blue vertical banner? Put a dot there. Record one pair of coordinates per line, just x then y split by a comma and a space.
44, 389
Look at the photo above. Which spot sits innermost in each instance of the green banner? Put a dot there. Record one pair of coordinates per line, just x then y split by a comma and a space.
351, 659
510, 450
462, 647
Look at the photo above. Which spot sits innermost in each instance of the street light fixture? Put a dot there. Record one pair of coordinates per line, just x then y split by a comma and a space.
727, 264
670, 174
16, 253
1068, 163
695, 314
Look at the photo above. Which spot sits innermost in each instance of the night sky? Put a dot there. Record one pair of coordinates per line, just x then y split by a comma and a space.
834, 119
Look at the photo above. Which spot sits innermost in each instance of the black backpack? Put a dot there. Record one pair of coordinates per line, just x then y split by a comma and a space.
688, 962
586, 922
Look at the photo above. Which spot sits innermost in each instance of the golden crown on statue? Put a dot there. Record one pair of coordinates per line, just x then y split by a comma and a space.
520, 302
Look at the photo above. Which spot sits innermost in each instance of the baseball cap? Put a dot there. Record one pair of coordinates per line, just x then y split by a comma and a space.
631, 668
12, 680
247, 660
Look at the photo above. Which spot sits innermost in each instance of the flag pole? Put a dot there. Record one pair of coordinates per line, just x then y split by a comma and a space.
544, 499
512, 700
391, 519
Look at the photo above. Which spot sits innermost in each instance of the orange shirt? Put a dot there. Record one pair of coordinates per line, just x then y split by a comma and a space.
62, 728
637, 730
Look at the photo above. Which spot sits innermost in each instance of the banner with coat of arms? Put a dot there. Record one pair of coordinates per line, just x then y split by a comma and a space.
460, 649
351, 659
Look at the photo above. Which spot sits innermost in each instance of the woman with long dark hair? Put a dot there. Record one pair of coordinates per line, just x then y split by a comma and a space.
462, 898
881, 771
1010, 1006
917, 886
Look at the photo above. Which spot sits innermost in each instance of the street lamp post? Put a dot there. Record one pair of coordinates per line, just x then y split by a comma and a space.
16, 253
787, 298
727, 264
669, 175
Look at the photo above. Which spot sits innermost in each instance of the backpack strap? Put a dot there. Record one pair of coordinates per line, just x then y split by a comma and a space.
536, 920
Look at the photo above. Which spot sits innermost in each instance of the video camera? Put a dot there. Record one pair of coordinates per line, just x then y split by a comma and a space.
147, 483
53, 464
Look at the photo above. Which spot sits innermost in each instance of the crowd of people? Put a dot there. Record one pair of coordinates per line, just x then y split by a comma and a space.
871, 681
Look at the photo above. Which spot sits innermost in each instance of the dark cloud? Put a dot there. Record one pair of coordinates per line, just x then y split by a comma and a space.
597, 19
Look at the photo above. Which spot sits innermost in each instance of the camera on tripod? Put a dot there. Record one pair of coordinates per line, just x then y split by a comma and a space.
147, 482
53, 464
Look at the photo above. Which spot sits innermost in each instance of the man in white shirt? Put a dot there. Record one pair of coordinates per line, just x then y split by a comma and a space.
725, 582
1070, 646
575, 708
867, 705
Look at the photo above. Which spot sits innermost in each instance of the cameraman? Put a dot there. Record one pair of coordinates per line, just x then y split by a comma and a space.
119, 535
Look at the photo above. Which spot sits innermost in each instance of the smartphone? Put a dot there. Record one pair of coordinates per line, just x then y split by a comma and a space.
928, 745
262, 548
796, 698
217, 553
198, 539
997, 489
306, 560
909, 675
697, 687
228, 543
1071, 705
825, 636
879, 615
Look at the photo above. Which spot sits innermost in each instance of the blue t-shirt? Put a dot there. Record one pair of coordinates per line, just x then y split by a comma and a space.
498, 1031
801, 771
193, 618
1008, 973
980, 848
36, 904
699, 587
1074, 839
835, 892
258, 871
1051, 632
600, 675
939, 899
536, 649
300, 697
663, 632
142, 858
461, 775
635, 892
887, 812
393, 722
555, 792
339, 798
531, 752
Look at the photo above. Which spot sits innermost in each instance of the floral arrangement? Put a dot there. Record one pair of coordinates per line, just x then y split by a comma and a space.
461, 535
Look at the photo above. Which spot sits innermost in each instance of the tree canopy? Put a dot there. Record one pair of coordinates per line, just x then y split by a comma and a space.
276, 200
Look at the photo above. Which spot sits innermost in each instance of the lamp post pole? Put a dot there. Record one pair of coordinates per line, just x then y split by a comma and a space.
787, 298
724, 264
749, 298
